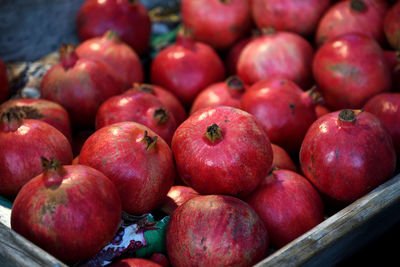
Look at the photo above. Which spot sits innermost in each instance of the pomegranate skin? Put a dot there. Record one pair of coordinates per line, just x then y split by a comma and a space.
135, 262
44, 110
228, 234
386, 107
347, 159
143, 171
177, 195
285, 121
186, 67
349, 70
282, 160
4, 86
21, 149
391, 26
218, 23
342, 18
128, 18
234, 163
300, 17
73, 219
277, 55
288, 205
121, 58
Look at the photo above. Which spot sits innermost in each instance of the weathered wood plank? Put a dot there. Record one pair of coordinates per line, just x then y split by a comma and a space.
344, 232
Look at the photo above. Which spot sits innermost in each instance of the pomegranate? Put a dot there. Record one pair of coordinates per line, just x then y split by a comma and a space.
169, 100
138, 162
219, 23
70, 211
391, 26
23, 142
232, 56
4, 86
128, 18
177, 195
80, 85
300, 17
228, 234
349, 70
222, 150
347, 153
285, 121
279, 55
226, 93
160, 259
386, 107
140, 107
119, 56
186, 67
135, 262
352, 16
282, 159
44, 110
288, 205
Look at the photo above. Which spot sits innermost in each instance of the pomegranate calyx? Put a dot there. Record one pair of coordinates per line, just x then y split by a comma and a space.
53, 171
149, 141
268, 31
11, 119
225, 1
68, 56
143, 87
113, 36
185, 37
349, 115
234, 83
161, 115
358, 5
315, 96
213, 132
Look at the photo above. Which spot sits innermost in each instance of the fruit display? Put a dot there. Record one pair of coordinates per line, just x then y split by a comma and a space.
202, 132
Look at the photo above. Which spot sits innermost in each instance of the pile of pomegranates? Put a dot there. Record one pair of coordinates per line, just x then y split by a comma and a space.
259, 116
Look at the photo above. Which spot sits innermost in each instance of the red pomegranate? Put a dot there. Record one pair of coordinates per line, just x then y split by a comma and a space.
288, 205
391, 26
140, 107
23, 142
228, 234
80, 85
122, 59
44, 110
277, 55
349, 70
232, 56
222, 150
226, 93
160, 259
4, 86
219, 23
135, 262
128, 18
285, 121
352, 16
281, 159
300, 17
70, 211
169, 100
347, 153
177, 195
186, 67
386, 107
138, 162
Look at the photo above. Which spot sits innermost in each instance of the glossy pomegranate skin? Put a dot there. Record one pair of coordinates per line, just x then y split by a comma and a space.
300, 17
342, 19
228, 234
80, 85
22, 144
4, 86
140, 107
284, 110
349, 70
391, 26
288, 205
128, 18
142, 174
237, 160
121, 58
226, 93
277, 55
177, 195
135, 262
72, 219
219, 23
281, 159
386, 107
186, 67
346, 159
169, 100
232, 57
160, 259
44, 110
